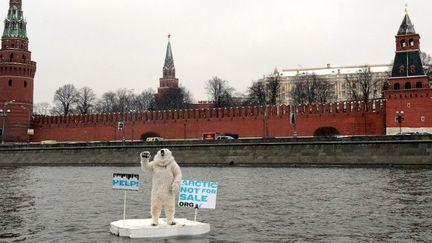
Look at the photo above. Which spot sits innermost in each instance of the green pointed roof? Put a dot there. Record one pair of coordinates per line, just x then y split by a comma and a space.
15, 24
406, 27
169, 60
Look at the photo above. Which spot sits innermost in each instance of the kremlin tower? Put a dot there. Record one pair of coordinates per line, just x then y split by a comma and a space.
409, 94
168, 79
17, 71
169, 95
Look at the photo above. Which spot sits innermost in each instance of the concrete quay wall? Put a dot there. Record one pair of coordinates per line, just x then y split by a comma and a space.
374, 151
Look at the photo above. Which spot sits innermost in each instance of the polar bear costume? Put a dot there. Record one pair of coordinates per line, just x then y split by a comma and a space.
165, 183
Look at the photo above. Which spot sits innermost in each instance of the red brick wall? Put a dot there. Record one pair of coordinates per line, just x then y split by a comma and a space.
245, 121
416, 105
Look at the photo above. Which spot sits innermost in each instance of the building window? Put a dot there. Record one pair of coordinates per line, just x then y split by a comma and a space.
10, 82
407, 85
403, 43
419, 85
402, 69
25, 84
396, 86
411, 42
412, 68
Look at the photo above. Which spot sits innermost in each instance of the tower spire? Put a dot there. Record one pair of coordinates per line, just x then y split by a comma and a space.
169, 60
406, 27
168, 68
15, 24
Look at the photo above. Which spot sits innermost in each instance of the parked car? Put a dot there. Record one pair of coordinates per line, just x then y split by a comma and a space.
224, 137
413, 133
154, 139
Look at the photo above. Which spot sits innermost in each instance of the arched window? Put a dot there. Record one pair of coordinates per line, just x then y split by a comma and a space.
419, 85
411, 42
24, 57
412, 68
25, 84
403, 43
10, 82
11, 56
396, 86
402, 69
407, 85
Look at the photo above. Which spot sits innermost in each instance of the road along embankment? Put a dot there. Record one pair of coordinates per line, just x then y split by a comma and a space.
368, 151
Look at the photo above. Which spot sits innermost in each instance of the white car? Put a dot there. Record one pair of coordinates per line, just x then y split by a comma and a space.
224, 137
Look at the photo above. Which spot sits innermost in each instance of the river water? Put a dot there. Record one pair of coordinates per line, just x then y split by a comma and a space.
76, 204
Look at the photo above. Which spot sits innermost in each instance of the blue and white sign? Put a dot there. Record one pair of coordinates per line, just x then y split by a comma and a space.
128, 182
201, 194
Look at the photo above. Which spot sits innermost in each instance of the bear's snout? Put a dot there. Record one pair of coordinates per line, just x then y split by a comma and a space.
162, 152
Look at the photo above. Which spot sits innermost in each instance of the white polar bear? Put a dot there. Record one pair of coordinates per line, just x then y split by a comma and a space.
165, 183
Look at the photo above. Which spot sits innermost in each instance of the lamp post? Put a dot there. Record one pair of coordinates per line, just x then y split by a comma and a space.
4, 113
28, 121
399, 119
293, 119
133, 123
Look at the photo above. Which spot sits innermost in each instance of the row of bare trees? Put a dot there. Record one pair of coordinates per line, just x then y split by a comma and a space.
307, 88
70, 100
311, 88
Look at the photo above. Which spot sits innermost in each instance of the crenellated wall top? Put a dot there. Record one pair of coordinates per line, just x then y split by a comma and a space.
244, 112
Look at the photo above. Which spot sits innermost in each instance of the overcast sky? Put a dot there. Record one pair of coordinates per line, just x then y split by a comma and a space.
112, 44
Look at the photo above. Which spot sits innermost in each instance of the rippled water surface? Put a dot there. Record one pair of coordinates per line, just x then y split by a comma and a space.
76, 204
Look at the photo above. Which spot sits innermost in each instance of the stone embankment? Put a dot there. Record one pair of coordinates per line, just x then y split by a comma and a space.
368, 151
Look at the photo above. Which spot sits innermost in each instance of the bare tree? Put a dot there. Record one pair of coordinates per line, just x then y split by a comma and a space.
107, 103
311, 88
187, 98
426, 60
273, 88
65, 98
86, 100
42, 108
173, 99
257, 94
265, 91
121, 100
145, 101
364, 85
220, 93
125, 99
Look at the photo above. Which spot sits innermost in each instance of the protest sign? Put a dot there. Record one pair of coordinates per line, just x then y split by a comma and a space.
196, 193
128, 182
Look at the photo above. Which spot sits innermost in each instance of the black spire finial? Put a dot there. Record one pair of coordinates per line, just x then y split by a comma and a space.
406, 27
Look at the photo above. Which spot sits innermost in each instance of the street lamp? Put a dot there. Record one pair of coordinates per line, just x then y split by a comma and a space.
4, 113
399, 119
28, 121
133, 123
